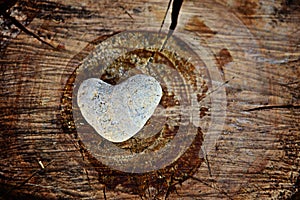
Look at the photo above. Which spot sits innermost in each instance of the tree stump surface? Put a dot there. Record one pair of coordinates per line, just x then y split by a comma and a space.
256, 48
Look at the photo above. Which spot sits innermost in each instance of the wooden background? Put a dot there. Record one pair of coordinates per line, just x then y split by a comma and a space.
257, 154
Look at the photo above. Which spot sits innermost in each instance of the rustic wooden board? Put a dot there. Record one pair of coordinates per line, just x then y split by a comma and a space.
256, 46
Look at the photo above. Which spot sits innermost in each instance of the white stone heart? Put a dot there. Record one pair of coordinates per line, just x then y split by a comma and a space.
118, 112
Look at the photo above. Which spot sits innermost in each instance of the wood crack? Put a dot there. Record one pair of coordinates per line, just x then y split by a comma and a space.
270, 107
23, 28
27, 180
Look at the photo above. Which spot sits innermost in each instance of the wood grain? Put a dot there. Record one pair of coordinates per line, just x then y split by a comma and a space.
254, 44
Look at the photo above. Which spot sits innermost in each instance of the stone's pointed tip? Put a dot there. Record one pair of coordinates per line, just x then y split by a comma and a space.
129, 105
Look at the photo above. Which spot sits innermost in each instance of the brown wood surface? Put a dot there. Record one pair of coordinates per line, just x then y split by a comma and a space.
257, 154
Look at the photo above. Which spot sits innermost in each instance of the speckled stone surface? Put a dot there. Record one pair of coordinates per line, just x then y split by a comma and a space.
118, 112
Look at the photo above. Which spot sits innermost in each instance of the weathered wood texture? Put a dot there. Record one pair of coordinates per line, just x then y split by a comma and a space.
256, 45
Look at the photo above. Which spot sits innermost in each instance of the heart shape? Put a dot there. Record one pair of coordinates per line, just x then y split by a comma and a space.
118, 112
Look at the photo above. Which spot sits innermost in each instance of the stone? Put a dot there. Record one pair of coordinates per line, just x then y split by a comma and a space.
118, 112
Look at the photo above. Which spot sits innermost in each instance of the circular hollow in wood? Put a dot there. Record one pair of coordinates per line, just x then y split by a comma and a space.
172, 137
